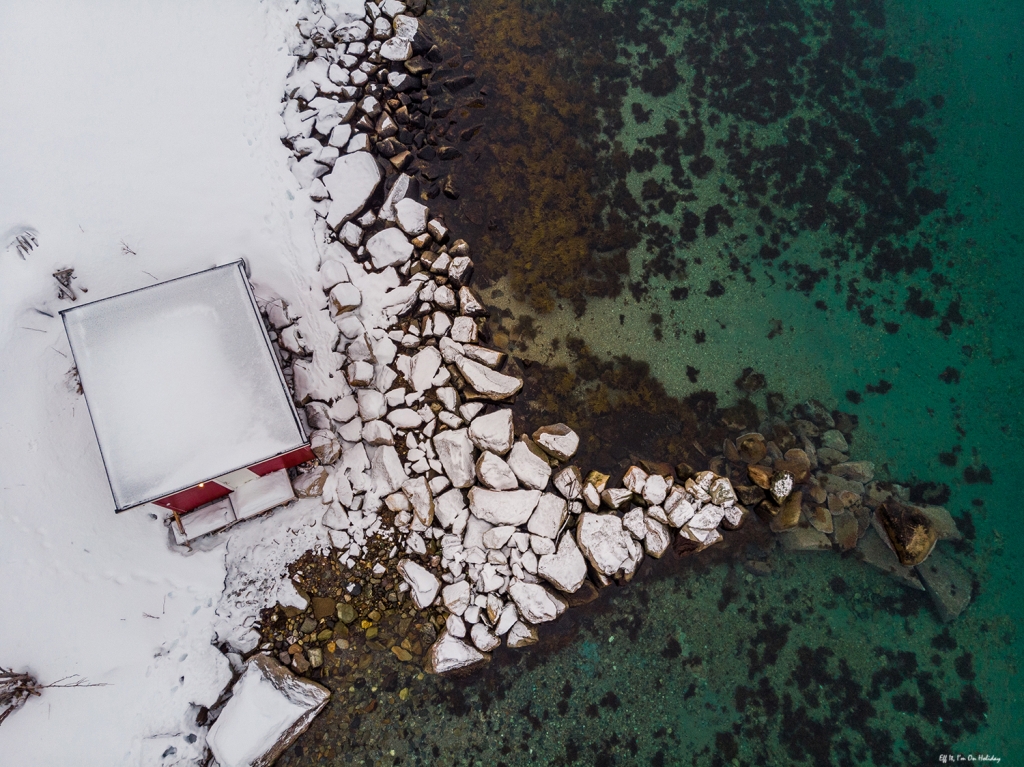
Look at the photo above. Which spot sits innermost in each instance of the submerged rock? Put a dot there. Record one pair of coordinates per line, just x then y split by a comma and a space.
911, 532
781, 485
873, 550
948, 584
751, 447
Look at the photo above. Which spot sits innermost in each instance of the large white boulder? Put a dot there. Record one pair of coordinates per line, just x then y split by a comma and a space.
421, 498
532, 470
658, 537
494, 472
493, 431
455, 452
424, 367
503, 507
557, 440
535, 603
549, 516
449, 653
423, 584
411, 215
456, 597
487, 382
386, 471
604, 542
389, 247
354, 178
566, 569
569, 482
448, 506
268, 709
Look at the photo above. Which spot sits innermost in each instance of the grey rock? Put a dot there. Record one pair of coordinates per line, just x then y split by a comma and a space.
948, 584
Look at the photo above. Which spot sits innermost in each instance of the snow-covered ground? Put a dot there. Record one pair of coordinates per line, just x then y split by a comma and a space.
139, 141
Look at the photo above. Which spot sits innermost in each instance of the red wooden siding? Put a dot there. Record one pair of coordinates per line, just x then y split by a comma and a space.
286, 461
194, 497
206, 492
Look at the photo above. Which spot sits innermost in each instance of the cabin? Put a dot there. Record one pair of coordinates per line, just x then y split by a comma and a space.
190, 407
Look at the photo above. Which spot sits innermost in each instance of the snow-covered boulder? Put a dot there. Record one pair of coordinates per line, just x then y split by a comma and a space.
658, 537
549, 516
566, 569
532, 470
389, 247
493, 431
423, 584
325, 445
569, 482
495, 473
386, 471
456, 597
535, 603
604, 542
411, 215
487, 382
424, 367
354, 178
449, 653
455, 452
345, 297
422, 500
268, 709
503, 507
557, 440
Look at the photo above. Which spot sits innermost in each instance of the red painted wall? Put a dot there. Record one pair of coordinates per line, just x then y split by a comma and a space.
194, 497
286, 461
200, 495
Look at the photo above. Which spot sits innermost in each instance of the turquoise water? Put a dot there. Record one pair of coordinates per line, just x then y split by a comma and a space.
700, 661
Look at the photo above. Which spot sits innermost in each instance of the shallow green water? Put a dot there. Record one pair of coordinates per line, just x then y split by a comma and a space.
824, 661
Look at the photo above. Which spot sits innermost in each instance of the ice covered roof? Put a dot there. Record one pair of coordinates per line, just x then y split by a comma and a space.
181, 382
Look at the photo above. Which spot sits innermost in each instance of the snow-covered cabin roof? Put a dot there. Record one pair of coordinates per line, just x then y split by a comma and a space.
181, 382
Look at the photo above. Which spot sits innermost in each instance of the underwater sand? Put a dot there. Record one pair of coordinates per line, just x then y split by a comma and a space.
824, 661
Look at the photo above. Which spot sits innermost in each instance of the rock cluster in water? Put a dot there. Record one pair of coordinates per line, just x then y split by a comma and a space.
409, 410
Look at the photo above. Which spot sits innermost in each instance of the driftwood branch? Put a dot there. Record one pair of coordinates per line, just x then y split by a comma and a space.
16, 689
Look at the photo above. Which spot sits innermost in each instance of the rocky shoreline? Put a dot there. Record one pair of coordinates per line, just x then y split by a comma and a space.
445, 526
